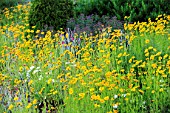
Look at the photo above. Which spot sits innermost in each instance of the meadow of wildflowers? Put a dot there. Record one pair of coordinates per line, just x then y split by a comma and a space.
110, 72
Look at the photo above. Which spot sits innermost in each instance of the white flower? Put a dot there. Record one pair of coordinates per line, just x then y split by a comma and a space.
144, 102
161, 81
124, 95
40, 77
74, 65
35, 71
67, 63
115, 106
38, 68
115, 96
32, 67
28, 74
53, 80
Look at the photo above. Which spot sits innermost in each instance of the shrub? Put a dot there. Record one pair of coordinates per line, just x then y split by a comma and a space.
50, 13
99, 7
138, 10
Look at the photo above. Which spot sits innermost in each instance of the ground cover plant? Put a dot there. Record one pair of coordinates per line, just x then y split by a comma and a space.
109, 72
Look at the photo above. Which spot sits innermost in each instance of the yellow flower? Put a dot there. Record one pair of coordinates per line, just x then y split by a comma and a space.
141, 91
34, 101
81, 95
68, 68
119, 61
154, 65
110, 112
115, 111
102, 100
20, 69
152, 57
16, 98
121, 90
29, 105
71, 91
67, 35
150, 48
101, 89
96, 105
153, 91
126, 99
10, 107
119, 55
49, 81
133, 89
157, 54
161, 90
147, 41
107, 61
146, 54
146, 51
19, 103
165, 56
106, 98
55, 92
30, 82
91, 89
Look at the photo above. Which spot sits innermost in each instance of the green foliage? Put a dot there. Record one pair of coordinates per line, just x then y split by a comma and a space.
99, 7
50, 13
9, 3
138, 10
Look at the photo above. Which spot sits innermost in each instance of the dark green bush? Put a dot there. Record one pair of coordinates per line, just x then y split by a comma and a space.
138, 10
99, 7
50, 13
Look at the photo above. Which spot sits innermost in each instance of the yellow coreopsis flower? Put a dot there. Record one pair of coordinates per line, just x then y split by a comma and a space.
16, 98
30, 82
153, 91
49, 81
10, 107
71, 91
29, 105
101, 89
147, 41
110, 112
152, 57
34, 101
81, 95
161, 90
102, 100
141, 91
96, 105
106, 98
154, 65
